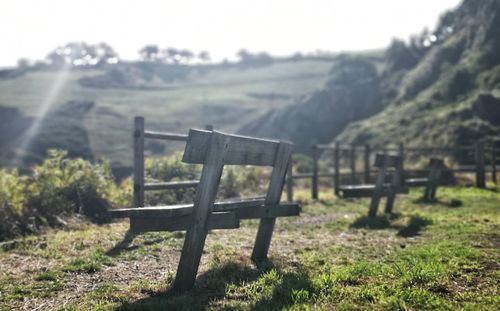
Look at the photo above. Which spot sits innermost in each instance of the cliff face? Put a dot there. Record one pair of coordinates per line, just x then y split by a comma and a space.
451, 94
443, 87
352, 93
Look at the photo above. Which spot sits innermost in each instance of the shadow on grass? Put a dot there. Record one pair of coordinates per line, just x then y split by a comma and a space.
414, 226
211, 285
123, 245
378, 222
453, 203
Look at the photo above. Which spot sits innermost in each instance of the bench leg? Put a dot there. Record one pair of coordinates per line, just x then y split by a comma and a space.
266, 226
390, 201
203, 203
377, 193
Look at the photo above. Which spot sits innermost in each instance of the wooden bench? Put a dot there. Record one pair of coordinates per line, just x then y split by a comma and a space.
214, 150
435, 167
386, 164
367, 190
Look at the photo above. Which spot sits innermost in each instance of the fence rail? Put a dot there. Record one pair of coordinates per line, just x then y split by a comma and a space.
139, 185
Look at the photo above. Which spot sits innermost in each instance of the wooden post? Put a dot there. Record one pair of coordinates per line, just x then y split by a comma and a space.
378, 191
435, 167
394, 187
367, 164
493, 163
266, 226
138, 162
401, 168
203, 204
336, 163
480, 172
314, 181
352, 156
289, 182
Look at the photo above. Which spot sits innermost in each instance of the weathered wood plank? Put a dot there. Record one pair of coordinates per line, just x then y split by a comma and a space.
172, 185
183, 209
387, 160
336, 164
138, 161
165, 136
266, 226
480, 169
314, 178
218, 220
435, 167
289, 183
241, 150
268, 211
214, 156
366, 159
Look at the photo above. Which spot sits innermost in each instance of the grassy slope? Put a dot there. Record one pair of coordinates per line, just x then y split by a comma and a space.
219, 97
429, 256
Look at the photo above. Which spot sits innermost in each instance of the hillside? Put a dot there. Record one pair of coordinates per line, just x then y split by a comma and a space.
170, 97
451, 95
441, 88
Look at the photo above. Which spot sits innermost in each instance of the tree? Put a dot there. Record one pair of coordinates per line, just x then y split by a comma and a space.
204, 57
149, 52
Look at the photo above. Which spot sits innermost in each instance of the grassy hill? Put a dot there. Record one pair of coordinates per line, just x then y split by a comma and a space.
225, 96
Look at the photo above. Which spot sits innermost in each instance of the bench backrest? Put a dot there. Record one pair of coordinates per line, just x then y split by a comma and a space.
214, 149
238, 150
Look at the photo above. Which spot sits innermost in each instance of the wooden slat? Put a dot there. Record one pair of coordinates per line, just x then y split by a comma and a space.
165, 136
181, 209
390, 160
171, 185
435, 163
266, 225
224, 220
213, 159
268, 211
241, 150
138, 161
416, 182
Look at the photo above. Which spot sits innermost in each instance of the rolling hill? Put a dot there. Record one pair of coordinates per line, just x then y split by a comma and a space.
170, 97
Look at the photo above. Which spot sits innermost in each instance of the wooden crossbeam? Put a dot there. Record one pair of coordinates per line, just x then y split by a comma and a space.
220, 220
171, 185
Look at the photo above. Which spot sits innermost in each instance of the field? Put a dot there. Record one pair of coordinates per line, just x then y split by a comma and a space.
226, 97
443, 255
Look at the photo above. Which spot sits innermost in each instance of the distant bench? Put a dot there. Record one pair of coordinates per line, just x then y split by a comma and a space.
435, 168
214, 150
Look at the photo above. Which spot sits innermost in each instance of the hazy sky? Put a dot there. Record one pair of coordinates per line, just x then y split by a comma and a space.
32, 28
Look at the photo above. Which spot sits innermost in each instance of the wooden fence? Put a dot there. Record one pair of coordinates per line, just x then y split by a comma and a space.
351, 152
139, 185
353, 174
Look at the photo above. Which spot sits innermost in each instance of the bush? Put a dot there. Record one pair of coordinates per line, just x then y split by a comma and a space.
12, 203
63, 186
236, 181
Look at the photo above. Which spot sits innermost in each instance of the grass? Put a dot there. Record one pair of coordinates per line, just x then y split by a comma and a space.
427, 256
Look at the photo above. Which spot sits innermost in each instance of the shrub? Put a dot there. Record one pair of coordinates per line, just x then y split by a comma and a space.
12, 203
62, 186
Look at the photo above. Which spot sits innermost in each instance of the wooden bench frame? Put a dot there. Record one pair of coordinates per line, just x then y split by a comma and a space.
215, 150
385, 163
435, 167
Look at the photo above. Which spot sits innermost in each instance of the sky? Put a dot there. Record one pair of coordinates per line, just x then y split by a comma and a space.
32, 28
